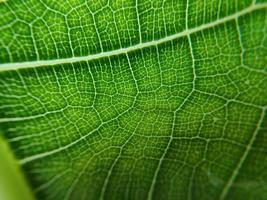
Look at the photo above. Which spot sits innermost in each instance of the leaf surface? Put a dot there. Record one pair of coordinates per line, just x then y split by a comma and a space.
136, 99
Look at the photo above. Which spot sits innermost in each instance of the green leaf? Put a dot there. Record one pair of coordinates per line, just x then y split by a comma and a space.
12, 183
136, 99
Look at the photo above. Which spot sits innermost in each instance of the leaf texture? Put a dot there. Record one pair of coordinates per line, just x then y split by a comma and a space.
126, 99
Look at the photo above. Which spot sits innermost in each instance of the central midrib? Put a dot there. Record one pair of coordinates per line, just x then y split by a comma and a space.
31, 64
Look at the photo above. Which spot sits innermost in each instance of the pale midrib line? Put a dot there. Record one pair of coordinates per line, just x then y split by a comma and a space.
243, 157
32, 64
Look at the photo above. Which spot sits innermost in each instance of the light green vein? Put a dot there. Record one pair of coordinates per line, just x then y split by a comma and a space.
39, 63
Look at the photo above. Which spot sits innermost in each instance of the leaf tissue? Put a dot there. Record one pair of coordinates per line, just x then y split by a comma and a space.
133, 99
